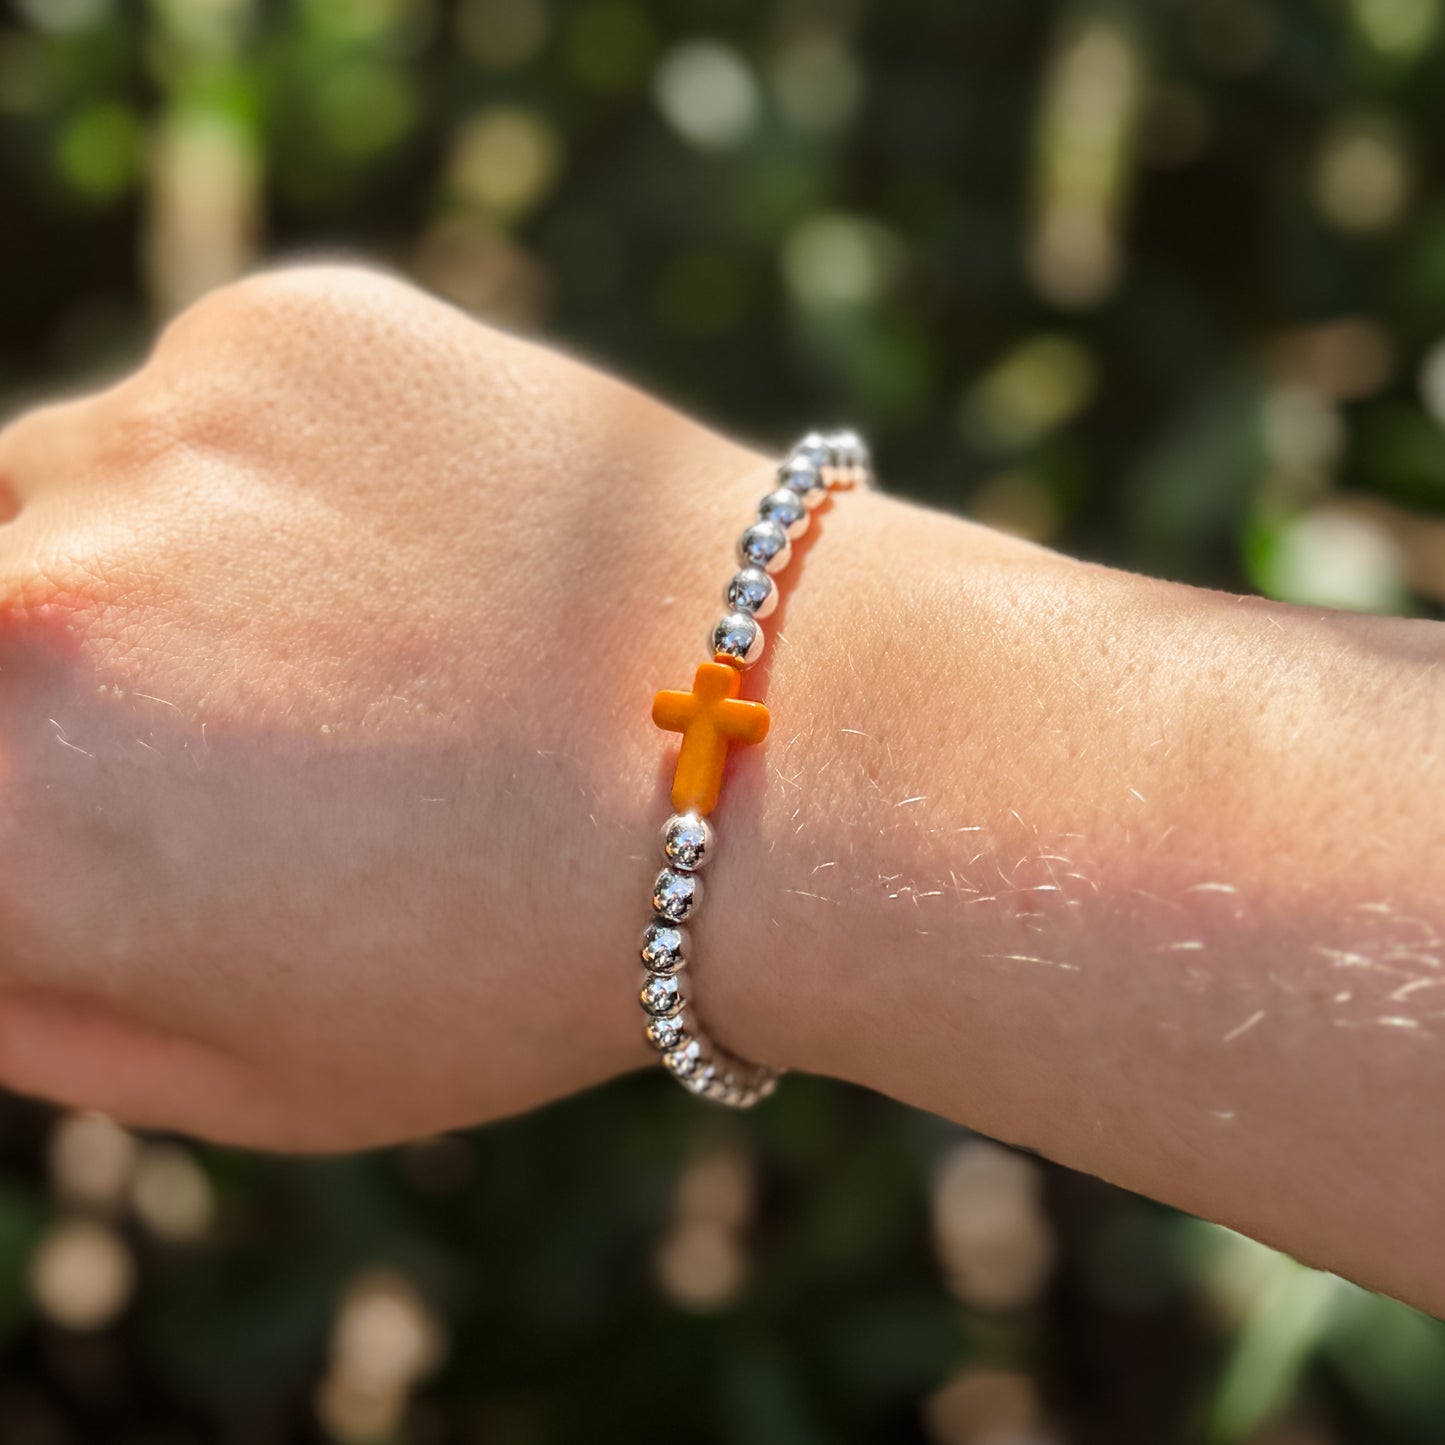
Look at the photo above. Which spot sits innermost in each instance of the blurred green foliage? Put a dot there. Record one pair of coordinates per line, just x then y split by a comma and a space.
1162, 283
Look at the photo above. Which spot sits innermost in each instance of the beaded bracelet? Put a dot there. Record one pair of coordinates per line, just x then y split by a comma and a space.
710, 717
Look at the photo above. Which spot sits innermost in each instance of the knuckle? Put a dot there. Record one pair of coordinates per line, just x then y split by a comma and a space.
50, 431
315, 344
282, 305
110, 434
135, 429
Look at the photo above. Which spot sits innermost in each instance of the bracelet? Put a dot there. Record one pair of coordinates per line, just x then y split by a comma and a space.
711, 717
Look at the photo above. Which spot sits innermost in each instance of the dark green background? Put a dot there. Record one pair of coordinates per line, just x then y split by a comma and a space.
1248, 404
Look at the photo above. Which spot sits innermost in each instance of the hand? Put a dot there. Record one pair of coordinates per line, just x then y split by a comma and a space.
329, 795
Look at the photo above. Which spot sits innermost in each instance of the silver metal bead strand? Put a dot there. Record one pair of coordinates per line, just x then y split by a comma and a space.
687, 841
787, 509
819, 462
738, 638
765, 545
663, 994
675, 896
664, 947
751, 590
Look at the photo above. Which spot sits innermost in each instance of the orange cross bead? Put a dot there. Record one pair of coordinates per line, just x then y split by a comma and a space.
709, 717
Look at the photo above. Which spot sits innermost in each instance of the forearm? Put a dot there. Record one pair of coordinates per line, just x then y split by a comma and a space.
1142, 877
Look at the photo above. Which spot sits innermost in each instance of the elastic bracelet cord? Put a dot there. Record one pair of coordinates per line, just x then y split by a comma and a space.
710, 718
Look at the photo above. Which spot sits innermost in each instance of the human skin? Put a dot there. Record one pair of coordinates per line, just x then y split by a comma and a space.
329, 794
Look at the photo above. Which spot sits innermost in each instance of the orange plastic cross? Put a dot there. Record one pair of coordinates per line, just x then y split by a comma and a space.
709, 717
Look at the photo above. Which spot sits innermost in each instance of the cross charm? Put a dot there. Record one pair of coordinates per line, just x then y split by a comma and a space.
709, 717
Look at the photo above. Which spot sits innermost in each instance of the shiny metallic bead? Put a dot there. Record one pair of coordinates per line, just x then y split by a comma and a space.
687, 840
675, 896
850, 455
814, 449
805, 476
738, 638
665, 1034
664, 947
765, 545
751, 590
686, 1059
663, 994
787, 509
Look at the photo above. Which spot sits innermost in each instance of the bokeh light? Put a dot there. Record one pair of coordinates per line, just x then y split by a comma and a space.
384, 1340
993, 1241
502, 33
171, 1194
1400, 29
708, 94
504, 160
92, 1160
982, 1406
1363, 173
701, 1261
82, 1275
834, 260
1085, 151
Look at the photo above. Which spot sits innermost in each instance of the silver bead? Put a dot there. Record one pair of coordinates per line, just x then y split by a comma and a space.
765, 545
686, 1059
664, 947
848, 448
676, 895
663, 994
850, 456
813, 449
751, 590
738, 638
804, 475
666, 1033
687, 840
787, 509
